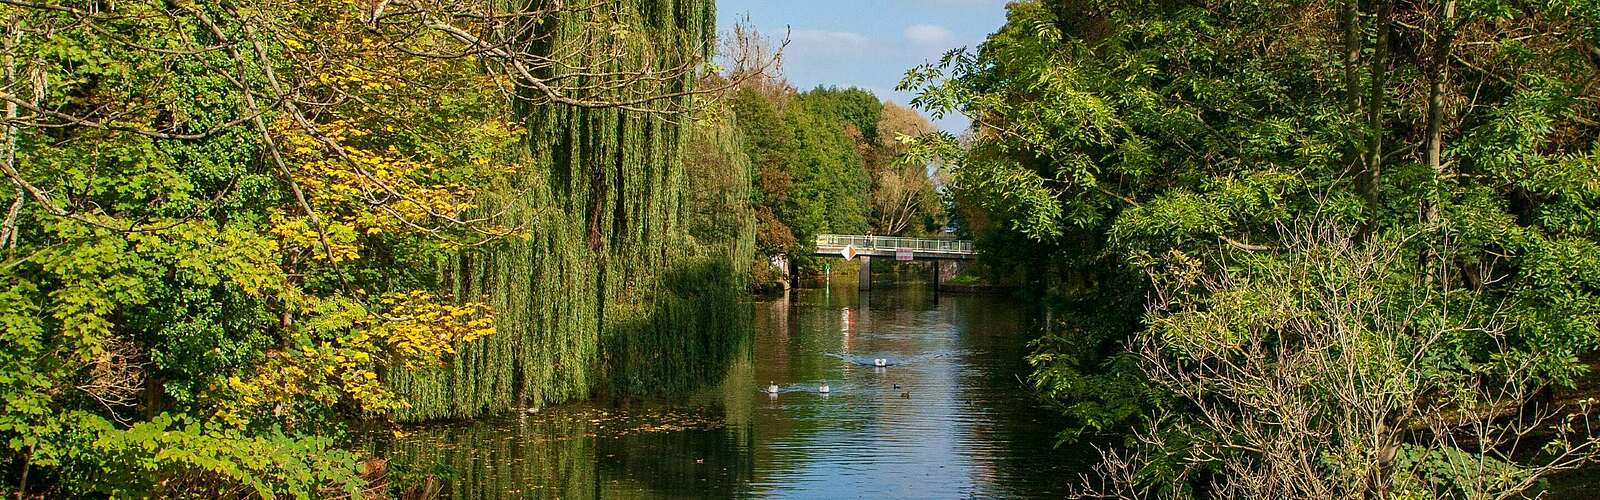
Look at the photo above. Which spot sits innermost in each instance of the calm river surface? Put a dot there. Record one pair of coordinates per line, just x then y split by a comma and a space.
960, 426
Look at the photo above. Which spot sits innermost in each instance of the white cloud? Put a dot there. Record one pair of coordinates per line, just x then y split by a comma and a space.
929, 36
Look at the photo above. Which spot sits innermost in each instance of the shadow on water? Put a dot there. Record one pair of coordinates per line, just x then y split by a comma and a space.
949, 419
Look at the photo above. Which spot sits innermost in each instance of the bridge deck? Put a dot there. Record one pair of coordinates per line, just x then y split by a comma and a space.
888, 246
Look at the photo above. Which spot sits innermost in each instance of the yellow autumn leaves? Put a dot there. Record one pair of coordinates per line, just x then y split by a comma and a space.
385, 143
346, 347
385, 149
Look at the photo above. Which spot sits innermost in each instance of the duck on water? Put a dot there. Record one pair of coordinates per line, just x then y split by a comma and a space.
772, 388
885, 362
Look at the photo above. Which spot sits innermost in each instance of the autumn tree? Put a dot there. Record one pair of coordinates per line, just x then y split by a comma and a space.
904, 197
226, 222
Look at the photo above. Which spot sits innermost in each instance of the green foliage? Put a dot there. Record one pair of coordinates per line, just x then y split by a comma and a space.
857, 109
823, 165
638, 243
1449, 472
231, 230
171, 457
1334, 369
1114, 141
812, 179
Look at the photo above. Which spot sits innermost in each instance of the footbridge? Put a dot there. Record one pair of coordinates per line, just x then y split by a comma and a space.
943, 253
849, 246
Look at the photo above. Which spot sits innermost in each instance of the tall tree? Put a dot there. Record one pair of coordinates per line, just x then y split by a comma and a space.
904, 198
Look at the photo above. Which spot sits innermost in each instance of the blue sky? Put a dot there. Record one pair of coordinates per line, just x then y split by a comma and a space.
867, 43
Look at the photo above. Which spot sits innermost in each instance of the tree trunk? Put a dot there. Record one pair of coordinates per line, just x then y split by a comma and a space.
1439, 72
1373, 177
8, 229
1352, 56
1350, 17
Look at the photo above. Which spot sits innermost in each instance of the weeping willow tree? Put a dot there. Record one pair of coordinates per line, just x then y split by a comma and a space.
608, 289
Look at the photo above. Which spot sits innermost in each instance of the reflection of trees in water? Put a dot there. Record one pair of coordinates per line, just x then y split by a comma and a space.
501, 458
1017, 433
724, 432
739, 416
590, 452
681, 341
772, 323
631, 451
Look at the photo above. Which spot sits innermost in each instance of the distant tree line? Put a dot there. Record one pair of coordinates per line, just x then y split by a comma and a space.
828, 160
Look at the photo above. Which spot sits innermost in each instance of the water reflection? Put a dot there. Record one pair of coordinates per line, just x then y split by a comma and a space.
948, 419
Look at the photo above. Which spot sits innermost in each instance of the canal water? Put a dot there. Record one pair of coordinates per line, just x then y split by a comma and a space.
959, 425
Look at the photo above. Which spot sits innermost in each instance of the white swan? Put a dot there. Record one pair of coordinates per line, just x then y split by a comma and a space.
824, 388
772, 388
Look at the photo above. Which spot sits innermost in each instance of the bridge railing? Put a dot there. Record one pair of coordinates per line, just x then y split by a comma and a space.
895, 243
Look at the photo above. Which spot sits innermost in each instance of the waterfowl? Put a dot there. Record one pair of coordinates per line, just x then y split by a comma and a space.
772, 388
896, 386
824, 388
880, 362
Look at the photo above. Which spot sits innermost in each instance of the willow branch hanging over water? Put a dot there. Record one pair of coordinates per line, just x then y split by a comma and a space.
609, 289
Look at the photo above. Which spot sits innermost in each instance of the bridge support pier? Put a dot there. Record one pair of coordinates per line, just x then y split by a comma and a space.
864, 273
